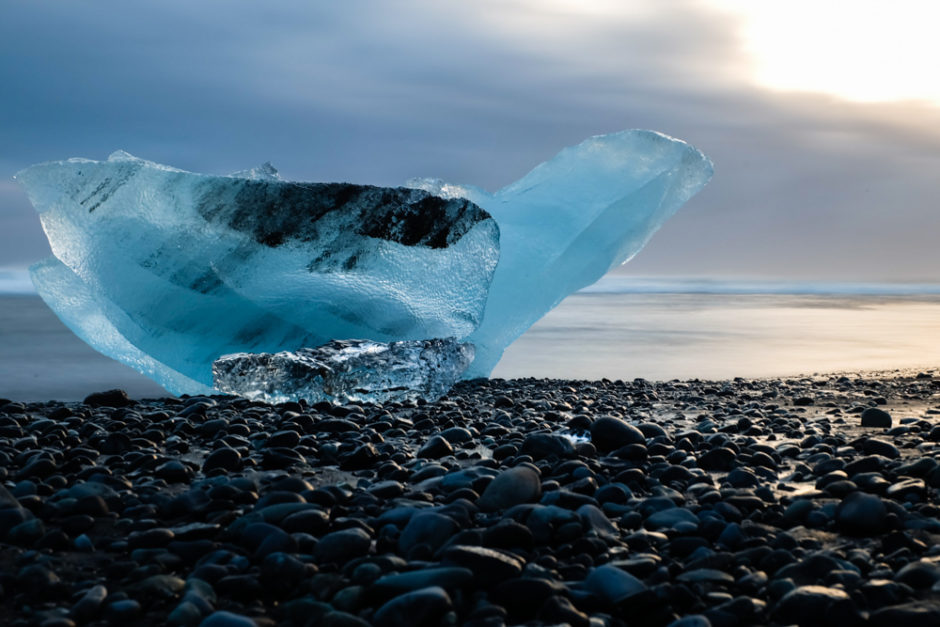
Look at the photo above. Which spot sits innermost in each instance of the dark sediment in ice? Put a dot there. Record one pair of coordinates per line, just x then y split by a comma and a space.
506, 502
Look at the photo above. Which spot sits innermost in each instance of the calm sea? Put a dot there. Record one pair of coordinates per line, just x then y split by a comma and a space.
618, 329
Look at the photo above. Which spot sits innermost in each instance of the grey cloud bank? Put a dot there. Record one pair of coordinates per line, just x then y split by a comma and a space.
805, 187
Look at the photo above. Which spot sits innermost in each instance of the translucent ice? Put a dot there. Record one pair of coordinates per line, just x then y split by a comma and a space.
570, 220
167, 270
349, 371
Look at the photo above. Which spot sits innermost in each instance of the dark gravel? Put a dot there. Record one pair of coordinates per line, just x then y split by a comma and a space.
528, 502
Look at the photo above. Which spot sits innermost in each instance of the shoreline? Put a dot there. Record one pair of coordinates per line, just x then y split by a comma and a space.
737, 502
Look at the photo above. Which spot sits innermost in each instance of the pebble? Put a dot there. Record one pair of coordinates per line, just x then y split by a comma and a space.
612, 584
341, 546
513, 486
705, 512
862, 514
817, 606
422, 608
876, 418
609, 434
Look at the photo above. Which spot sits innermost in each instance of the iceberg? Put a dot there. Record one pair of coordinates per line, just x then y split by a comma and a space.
348, 371
167, 270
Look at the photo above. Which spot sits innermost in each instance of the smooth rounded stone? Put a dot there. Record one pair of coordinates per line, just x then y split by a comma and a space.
342, 546
443, 576
705, 575
609, 434
363, 457
264, 538
287, 438
742, 478
388, 489
472, 477
227, 619
428, 528
719, 459
523, 596
90, 604
557, 610
841, 488
693, 620
225, 458
39, 468
934, 434
27, 532
670, 518
913, 614
876, 418
612, 584
122, 610
282, 569
422, 608
245, 587
918, 468
173, 471
186, 613
162, 587
874, 446
543, 445
593, 519
457, 435
919, 575
516, 485
108, 398
813, 606
651, 430
435, 448
508, 534
731, 536
157, 537
489, 565
862, 514
868, 463
908, 489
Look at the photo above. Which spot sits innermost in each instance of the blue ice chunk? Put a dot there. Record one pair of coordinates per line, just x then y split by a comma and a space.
167, 270
347, 371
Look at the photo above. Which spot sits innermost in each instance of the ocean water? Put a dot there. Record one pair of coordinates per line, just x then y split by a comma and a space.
617, 329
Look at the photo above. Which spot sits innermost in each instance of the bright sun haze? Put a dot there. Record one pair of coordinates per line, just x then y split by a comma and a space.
865, 51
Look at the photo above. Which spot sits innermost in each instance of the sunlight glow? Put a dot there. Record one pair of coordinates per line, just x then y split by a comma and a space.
864, 50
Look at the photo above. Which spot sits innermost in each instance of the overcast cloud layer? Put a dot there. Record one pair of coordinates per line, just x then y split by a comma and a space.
805, 186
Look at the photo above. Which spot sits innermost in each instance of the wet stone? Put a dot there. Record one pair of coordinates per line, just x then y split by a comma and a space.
422, 608
817, 606
609, 433
876, 418
511, 487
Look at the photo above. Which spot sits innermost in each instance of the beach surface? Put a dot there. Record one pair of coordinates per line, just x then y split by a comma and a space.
809, 501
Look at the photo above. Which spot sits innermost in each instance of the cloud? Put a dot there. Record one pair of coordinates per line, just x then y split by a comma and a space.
805, 185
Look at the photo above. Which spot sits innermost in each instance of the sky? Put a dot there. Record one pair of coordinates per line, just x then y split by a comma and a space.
822, 118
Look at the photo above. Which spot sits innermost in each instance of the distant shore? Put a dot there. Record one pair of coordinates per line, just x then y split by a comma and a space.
540, 501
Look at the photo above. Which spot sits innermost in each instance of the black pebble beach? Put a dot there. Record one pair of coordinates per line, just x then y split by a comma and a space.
807, 501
